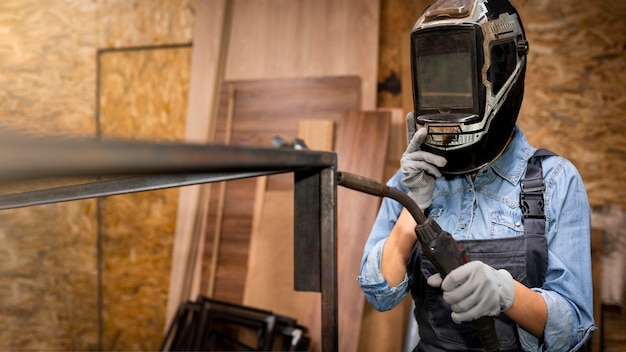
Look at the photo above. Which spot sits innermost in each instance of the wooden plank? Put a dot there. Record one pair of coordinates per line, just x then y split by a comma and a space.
386, 331
220, 210
317, 134
307, 38
270, 282
207, 66
397, 141
264, 109
361, 146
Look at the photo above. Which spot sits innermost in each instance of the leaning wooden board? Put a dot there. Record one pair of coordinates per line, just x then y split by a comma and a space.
262, 110
306, 38
211, 38
270, 277
385, 331
361, 146
268, 40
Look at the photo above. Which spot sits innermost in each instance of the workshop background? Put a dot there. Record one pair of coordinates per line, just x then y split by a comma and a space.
108, 274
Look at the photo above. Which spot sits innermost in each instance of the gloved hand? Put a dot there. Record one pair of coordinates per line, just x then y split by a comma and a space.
420, 169
475, 289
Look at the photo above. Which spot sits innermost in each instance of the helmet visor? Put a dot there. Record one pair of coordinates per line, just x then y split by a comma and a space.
445, 74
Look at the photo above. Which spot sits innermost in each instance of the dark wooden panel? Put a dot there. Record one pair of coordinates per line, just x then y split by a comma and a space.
361, 146
262, 110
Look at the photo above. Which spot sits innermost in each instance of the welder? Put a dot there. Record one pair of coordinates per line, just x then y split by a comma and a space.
520, 213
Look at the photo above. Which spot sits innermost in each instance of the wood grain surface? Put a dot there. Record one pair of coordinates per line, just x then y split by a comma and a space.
361, 146
267, 39
306, 38
270, 276
211, 36
387, 330
264, 109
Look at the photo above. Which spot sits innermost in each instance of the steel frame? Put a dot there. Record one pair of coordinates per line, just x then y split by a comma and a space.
141, 166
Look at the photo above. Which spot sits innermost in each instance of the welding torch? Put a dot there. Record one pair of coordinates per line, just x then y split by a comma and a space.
437, 245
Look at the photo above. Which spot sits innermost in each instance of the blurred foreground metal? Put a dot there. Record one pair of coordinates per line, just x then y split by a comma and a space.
142, 166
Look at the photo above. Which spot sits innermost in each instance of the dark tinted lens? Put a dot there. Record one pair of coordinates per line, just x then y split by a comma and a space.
503, 61
444, 71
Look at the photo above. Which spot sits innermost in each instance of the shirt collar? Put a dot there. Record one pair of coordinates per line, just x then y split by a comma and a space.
511, 165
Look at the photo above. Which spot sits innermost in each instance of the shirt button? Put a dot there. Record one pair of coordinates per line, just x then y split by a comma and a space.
463, 227
518, 224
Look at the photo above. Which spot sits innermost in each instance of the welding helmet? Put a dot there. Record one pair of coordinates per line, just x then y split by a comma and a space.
468, 61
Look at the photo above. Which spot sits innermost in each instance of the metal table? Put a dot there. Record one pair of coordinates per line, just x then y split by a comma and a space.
135, 166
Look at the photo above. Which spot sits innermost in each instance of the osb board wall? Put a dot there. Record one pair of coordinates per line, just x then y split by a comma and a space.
575, 92
48, 267
36, 37
397, 17
48, 278
137, 229
52, 299
574, 102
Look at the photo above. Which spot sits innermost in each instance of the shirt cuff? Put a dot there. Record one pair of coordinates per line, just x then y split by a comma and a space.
557, 335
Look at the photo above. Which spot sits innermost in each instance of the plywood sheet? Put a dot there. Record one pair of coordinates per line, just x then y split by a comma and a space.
124, 23
386, 331
290, 39
269, 283
48, 65
48, 266
211, 37
307, 38
361, 146
317, 134
270, 277
264, 109
48, 277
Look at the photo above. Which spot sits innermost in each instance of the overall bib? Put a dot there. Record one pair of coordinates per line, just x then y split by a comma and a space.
525, 257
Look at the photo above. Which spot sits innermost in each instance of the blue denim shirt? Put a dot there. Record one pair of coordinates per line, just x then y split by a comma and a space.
488, 207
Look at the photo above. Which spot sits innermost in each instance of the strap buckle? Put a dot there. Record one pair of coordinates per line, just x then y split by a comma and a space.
531, 198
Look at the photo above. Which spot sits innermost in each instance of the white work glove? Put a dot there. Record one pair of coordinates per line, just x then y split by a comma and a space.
475, 290
420, 169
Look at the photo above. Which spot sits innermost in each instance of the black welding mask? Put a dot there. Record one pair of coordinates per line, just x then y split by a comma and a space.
468, 60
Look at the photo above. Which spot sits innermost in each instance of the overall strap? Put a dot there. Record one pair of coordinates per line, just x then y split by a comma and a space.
531, 197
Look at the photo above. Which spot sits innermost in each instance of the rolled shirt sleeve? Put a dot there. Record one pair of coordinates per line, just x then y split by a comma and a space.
376, 289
